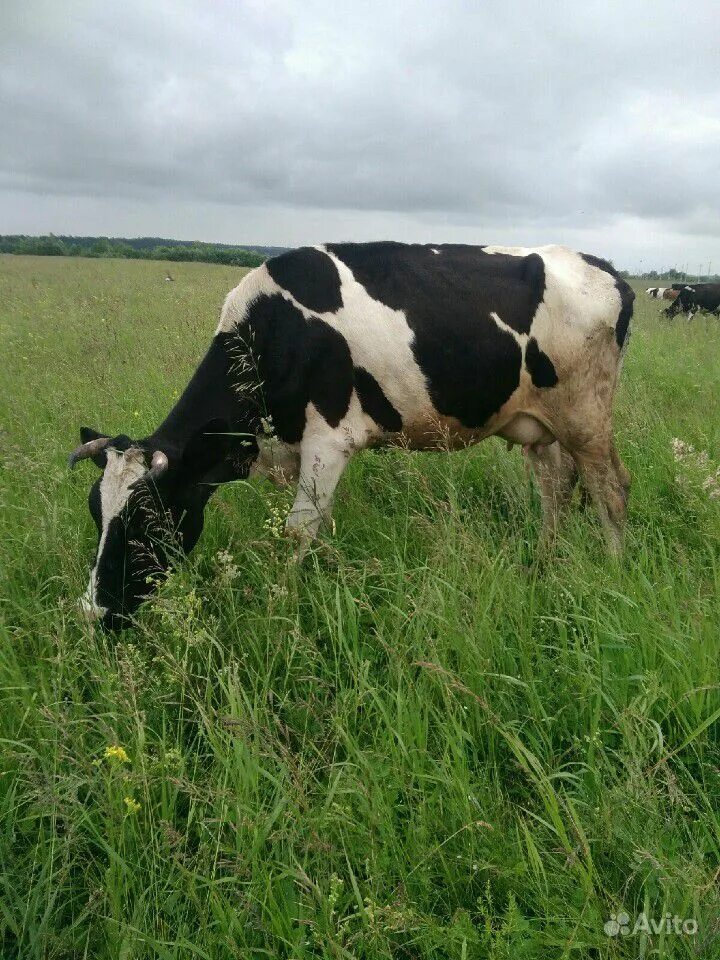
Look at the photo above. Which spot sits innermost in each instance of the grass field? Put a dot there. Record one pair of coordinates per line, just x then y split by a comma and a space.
419, 744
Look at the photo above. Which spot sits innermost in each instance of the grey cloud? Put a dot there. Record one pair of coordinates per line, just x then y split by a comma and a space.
545, 122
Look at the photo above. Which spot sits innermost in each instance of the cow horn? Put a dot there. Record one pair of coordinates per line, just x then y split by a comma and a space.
158, 466
87, 450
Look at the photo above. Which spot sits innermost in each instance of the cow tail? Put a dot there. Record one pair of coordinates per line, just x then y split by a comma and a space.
622, 324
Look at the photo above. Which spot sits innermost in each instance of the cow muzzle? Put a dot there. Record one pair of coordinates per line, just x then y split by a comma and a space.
91, 610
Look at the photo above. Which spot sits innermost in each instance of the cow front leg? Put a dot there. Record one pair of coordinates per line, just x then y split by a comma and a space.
324, 454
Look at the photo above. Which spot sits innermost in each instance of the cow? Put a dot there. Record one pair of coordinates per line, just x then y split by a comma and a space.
324, 351
664, 293
696, 297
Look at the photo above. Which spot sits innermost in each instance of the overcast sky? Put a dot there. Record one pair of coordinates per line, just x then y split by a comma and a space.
296, 121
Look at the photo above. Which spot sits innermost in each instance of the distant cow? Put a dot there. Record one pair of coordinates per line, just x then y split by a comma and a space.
664, 293
340, 347
696, 297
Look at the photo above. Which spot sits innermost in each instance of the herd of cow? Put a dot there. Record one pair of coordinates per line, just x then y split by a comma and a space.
688, 298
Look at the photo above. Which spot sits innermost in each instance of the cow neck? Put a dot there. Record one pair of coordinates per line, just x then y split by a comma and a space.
210, 403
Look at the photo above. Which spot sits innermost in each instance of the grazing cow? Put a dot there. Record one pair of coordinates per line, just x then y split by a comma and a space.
696, 297
349, 346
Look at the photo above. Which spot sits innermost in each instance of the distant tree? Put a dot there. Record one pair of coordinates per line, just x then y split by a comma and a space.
41, 246
144, 248
101, 248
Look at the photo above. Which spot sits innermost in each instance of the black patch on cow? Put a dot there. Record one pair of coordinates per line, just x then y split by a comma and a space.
95, 505
122, 569
534, 276
121, 442
601, 264
627, 295
298, 361
310, 276
627, 298
539, 365
375, 403
471, 365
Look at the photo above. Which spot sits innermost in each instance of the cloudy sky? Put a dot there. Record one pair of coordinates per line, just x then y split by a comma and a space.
285, 122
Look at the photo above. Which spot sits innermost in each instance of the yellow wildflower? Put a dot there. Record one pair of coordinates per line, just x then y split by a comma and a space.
132, 805
116, 753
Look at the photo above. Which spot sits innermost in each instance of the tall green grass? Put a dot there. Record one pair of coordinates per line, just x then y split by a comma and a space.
418, 744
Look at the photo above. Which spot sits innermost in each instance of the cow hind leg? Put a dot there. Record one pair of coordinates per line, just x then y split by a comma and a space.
556, 475
602, 478
623, 474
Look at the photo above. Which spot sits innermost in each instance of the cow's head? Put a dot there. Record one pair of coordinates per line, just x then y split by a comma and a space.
683, 301
148, 507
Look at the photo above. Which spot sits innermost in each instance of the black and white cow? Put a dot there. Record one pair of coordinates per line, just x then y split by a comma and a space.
349, 346
696, 297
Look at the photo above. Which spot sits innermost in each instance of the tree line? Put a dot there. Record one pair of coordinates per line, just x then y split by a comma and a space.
673, 275
141, 248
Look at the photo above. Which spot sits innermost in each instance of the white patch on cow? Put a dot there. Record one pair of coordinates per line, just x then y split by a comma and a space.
381, 340
434, 250
520, 338
92, 610
240, 299
123, 468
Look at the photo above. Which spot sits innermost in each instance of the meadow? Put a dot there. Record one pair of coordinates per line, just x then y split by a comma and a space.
420, 743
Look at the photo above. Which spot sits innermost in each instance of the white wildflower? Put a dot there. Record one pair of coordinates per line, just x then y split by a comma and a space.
227, 568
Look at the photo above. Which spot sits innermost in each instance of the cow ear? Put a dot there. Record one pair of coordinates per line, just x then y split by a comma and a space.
87, 434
